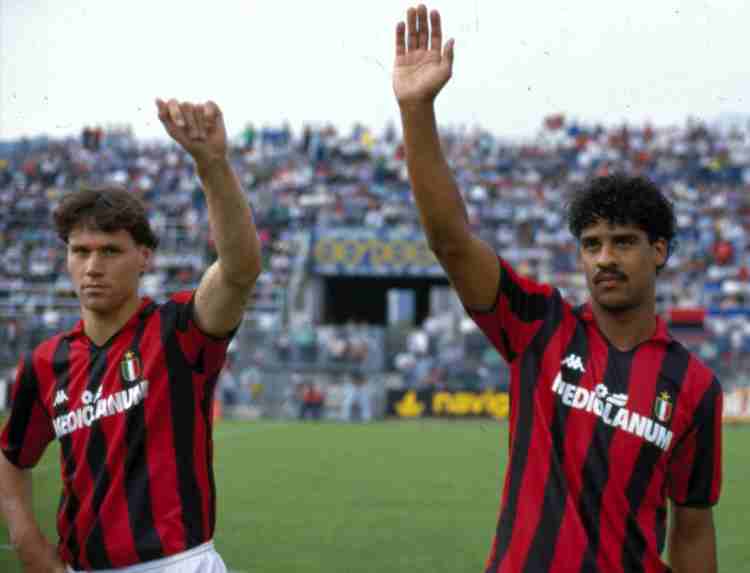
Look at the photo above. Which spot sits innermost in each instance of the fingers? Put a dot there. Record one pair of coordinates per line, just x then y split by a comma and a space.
448, 52
186, 120
212, 111
411, 29
191, 123
423, 29
207, 115
162, 109
175, 115
436, 37
400, 39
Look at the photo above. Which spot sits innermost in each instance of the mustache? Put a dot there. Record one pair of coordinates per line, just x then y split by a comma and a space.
609, 275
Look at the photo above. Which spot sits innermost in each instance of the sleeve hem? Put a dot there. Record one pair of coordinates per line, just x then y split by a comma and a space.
227, 337
696, 505
491, 309
15, 463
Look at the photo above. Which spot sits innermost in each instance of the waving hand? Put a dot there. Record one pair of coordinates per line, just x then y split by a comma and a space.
423, 66
198, 128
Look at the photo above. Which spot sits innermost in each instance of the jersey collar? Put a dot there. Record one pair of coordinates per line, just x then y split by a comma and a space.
661, 334
145, 308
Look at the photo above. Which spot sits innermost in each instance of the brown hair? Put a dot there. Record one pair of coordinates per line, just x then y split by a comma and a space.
107, 209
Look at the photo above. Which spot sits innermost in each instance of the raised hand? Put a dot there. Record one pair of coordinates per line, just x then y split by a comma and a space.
422, 65
198, 128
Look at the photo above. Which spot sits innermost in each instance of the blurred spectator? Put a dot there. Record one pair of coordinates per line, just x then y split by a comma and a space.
357, 401
312, 402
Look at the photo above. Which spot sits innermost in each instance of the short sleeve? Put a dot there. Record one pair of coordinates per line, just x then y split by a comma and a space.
695, 468
206, 354
28, 431
520, 307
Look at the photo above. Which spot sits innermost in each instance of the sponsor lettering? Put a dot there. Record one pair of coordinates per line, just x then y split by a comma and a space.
610, 409
97, 407
495, 404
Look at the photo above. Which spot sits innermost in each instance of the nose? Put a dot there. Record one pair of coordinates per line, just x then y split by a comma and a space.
606, 256
94, 265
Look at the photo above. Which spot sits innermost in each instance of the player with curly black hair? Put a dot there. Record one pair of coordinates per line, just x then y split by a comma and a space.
624, 200
613, 423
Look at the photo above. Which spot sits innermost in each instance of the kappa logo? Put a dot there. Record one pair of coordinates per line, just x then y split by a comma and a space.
574, 362
130, 367
60, 398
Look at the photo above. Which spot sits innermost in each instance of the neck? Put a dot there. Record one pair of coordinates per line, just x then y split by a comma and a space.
626, 329
100, 327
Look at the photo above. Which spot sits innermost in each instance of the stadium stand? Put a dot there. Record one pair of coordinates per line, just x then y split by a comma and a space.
348, 286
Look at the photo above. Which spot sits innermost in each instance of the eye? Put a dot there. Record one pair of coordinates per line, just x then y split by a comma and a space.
625, 241
590, 245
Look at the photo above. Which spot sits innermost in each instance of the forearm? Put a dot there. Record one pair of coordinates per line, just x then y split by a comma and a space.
33, 549
232, 225
693, 550
441, 208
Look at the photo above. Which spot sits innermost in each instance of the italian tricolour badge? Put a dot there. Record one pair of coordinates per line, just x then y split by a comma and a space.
663, 407
130, 367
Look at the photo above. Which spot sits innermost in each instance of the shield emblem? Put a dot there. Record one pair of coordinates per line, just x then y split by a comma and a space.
130, 367
663, 407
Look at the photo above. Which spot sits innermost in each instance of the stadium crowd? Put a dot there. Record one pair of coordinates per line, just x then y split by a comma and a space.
320, 178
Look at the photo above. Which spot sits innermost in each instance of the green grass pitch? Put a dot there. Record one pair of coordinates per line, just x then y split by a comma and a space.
385, 497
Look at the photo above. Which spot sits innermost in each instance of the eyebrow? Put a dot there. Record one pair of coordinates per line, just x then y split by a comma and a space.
87, 247
614, 235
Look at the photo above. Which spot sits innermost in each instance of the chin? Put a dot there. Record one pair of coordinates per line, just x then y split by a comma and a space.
617, 306
98, 306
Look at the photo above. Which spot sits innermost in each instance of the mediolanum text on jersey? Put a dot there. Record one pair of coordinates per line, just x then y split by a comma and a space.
102, 407
610, 409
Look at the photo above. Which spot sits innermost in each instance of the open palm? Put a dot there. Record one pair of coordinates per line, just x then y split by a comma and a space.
422, 67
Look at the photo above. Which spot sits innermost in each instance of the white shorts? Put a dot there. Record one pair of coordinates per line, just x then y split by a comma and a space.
200, 559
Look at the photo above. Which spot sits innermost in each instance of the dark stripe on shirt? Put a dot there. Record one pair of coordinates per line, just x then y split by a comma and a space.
137, 487
96, 457
700, 484
530, 367
527, 307
596, 468
207, 410
27, 392
542, 549
673, 368
68, 499
182, 400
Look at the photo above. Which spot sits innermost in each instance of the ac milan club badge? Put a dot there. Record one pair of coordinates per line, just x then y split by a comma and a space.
663, 407
130, 367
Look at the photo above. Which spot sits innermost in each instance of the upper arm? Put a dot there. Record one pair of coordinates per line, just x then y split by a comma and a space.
474, 271
695, 468
219, 303
507, 307
28, 430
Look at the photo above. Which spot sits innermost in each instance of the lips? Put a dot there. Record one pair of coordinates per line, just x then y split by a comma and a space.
608, 278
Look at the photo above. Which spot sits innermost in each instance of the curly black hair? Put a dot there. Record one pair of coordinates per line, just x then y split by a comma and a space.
107, 209
624, 200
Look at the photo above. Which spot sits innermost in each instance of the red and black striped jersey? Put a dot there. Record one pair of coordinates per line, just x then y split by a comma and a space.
133, 418
599, 438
